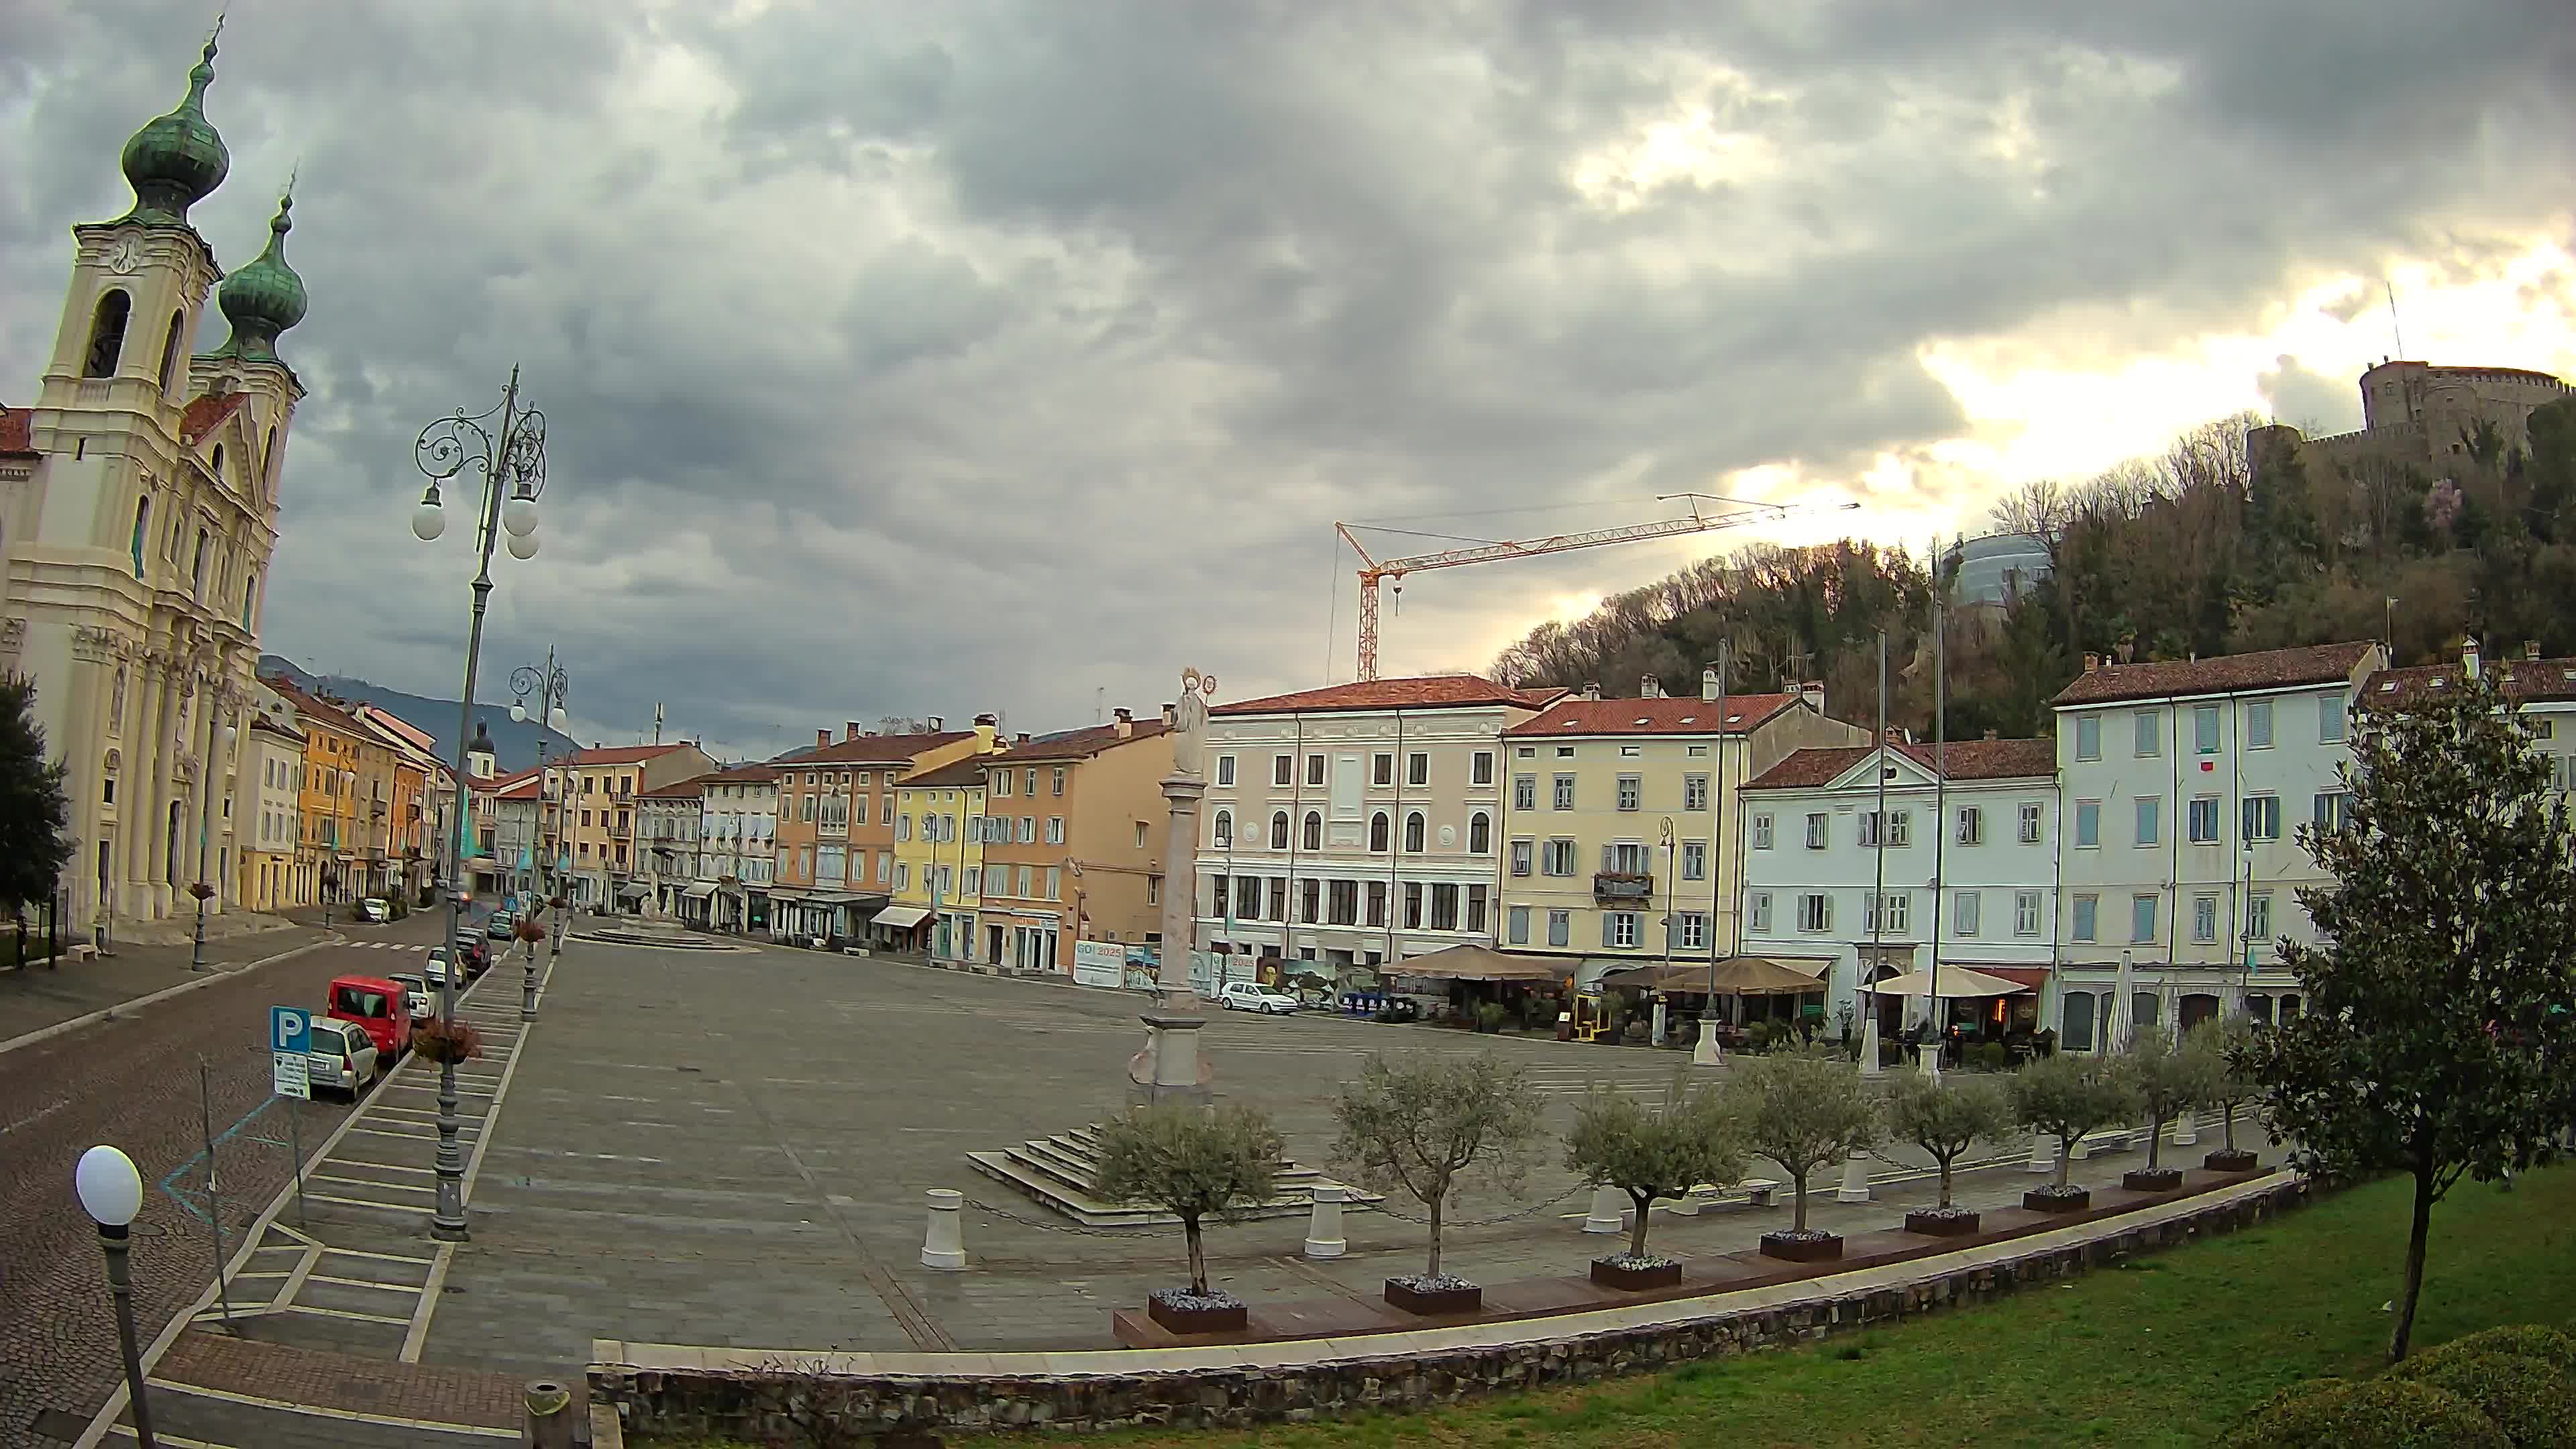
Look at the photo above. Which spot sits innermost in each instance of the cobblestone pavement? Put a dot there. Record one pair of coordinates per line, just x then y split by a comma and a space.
37, 997
132, 1081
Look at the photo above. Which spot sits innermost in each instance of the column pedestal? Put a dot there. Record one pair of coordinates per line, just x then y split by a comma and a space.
1169, 1069
1855, 1185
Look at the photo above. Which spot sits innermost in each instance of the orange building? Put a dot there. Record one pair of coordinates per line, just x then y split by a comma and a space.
1075, 829
836, 811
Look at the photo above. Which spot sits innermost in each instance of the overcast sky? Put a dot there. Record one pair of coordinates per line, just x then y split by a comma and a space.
907, 358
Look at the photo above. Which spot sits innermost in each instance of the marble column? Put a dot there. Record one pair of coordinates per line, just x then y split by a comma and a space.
154, 747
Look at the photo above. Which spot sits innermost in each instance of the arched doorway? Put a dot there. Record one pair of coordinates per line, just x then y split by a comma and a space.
2196, 1008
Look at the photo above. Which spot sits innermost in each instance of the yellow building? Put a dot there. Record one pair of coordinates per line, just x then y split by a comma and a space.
939, 857
330, 854
1621, 814
595, 792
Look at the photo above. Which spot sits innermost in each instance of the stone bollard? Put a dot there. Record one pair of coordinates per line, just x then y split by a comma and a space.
1609, 1211
1324, 1225
549, 1421
2043, 1152
944, 1245
1869, 1066
2186, 1131
1855, 1186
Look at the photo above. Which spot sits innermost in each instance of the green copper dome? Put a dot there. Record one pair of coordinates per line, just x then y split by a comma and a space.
177, 160
265, 298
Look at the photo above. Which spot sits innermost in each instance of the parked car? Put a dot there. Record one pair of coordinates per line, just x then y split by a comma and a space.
416, 990
499, 927
1253, 996
474, 953
379, 1007
375, 910
342, 1057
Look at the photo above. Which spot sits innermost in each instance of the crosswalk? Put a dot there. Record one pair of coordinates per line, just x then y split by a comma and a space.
388, 946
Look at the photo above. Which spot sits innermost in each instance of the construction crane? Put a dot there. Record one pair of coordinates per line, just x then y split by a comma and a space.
1374, 570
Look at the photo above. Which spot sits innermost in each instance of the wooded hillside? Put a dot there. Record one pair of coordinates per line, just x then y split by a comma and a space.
2197, 550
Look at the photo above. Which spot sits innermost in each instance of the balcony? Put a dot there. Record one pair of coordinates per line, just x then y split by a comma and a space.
1620, 887
621, 832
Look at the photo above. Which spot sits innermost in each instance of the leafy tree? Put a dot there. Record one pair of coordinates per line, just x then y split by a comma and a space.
1803, 1112
2221, 1044
2066, 1096
2430, 1045
35, 835
1422, 1126
2165, 1079
1946, 1116
1191, 1162
1652, 1152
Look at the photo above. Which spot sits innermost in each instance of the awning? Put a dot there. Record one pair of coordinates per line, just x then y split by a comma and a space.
1474, 963
1736, 976
902, 918
632, 892
700, 891
2033, 977
1957, 983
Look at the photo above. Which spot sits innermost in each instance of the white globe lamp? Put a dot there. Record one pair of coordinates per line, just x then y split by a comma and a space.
111, 1191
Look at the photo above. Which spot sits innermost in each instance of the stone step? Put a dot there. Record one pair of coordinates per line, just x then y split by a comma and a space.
1076, 1200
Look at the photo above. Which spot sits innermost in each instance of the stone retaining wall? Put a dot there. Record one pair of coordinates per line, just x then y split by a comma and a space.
715, 1392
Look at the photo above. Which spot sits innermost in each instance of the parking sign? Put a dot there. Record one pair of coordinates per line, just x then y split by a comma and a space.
290, 1036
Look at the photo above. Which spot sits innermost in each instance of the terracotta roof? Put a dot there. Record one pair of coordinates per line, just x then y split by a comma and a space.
331, 714
692, 788
2526, 681
17, 433
743, 775
2219, 674
519, 789
968, 771
1963, 759
1434, 691
1692, 716
206, 413
1080, 744
876, 749
618, 754
263, 722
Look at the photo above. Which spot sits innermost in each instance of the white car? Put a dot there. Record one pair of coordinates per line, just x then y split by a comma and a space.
342, 1058
416, 991
1252, 996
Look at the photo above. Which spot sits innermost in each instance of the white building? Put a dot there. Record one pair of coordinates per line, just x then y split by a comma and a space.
737, 855
668, 824
1964, 869
1356, 825
268, 813
2184, 784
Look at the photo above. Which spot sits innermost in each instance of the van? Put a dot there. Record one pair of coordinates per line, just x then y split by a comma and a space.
379, 1007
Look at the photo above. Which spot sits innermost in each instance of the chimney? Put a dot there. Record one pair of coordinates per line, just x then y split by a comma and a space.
2469, 657
1020, 739
1895, 735
1708, 685
1592, 689
822, 738
2092, 661
1125, 722
936, 724
1814, 695
849, 729
994, 720
1650, 688
1990, 734
2531, 649
1171, 716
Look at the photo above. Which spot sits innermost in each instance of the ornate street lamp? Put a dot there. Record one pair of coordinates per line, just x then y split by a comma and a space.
551, 687
111, 1192
505, 448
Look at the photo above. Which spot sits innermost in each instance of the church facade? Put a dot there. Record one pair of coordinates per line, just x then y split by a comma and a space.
138, 513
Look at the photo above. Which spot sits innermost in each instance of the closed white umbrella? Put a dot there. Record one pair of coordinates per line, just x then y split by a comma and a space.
2121, 1028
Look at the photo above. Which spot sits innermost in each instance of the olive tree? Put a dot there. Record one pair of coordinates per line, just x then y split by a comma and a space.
1803, 1112
2434, 1043
2066, 1096
2222, 1045
1423, 1125
2166, 1079
1651, 1152
1947, 1115
1191, 1162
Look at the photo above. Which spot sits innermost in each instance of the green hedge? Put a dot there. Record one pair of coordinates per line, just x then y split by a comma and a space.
2527, 1398
2380, 1414
2522, 1340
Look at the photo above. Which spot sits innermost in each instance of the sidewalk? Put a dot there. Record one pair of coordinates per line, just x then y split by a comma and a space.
35, 997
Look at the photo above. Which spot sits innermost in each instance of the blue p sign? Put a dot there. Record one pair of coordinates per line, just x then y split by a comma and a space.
290, 1029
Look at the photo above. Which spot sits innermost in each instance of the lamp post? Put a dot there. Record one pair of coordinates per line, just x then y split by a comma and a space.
1705, 1052
551, 687
111, 1192
201, 890
510, 459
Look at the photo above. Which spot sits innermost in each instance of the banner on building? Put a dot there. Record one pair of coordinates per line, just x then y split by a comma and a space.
1099, 963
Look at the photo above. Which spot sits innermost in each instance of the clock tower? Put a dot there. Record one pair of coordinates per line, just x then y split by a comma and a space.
138, 512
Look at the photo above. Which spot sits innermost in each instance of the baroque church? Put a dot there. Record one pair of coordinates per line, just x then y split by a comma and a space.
138, 513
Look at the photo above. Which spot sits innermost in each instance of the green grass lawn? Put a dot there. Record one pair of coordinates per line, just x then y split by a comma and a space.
2168, 1350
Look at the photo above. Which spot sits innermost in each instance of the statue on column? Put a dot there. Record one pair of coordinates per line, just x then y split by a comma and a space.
1189, 723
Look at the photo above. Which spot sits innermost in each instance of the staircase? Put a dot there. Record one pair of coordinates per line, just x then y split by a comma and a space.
1063, 1172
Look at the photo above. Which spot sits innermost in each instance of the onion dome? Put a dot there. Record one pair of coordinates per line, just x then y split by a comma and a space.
264, 298
177, 160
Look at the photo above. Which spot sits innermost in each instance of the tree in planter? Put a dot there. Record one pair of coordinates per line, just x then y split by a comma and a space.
2166, 1079
35, 839
1652, 1152
2222, 1045
1193, 1163
2430, 1045
1802, 1112
2066, 1097
1423, 1125
1945, 1116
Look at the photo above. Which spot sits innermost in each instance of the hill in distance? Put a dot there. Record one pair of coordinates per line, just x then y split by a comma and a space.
514, 745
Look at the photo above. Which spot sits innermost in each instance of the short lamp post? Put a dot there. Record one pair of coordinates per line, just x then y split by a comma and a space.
111, 1192
200, 889
509, 457
551, 687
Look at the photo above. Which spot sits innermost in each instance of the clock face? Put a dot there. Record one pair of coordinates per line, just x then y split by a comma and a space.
125, 256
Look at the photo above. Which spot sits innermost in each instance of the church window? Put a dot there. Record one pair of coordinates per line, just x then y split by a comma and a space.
197, 564
170, 351
107, 333
250, 595
142, 518
219, 462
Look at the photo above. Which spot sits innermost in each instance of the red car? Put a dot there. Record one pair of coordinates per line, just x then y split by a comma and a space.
377, 1006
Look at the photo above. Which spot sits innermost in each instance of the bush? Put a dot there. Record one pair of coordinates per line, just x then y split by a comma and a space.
1991, 1056
1757, 1037
2524, 1340
1491, 1015
2526, 1397
2380, 1414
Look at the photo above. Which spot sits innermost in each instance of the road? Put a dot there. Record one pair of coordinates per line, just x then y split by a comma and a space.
133, 1082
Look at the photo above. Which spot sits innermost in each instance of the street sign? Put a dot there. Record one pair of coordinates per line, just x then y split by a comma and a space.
290, 1036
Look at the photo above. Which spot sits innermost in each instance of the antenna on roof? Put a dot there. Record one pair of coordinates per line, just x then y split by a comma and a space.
657, 721
2398, 332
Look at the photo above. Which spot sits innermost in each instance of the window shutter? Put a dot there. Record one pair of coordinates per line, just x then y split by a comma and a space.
1608, 859
1605, 928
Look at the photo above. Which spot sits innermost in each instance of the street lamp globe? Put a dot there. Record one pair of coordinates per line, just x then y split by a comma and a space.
111, 1191
519, 514
523, 545
428, 520
518, 713
558, 718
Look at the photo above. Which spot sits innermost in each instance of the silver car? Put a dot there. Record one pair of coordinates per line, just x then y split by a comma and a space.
342, 1058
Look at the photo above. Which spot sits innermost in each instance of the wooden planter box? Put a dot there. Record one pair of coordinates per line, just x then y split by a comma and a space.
1197, 1316
2224, 1160
1434, 1302
2049, 1202
1933, 1223
1610, 1274
1802, 1250
2151, 1179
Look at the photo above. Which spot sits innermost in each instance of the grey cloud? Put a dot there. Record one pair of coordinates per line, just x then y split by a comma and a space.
2308, 400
